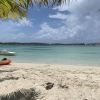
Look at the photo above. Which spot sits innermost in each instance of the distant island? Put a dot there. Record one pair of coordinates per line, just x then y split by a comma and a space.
32, 43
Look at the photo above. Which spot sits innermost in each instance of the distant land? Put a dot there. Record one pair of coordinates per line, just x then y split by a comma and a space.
19, 43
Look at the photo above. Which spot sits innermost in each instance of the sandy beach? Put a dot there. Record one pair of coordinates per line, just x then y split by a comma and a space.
28, 81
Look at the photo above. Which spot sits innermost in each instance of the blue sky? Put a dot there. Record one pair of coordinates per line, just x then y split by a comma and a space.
75, 23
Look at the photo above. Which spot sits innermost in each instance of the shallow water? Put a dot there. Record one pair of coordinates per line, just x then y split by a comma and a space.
63, 54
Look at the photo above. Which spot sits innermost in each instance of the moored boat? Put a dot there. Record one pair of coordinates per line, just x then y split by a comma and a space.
7, 53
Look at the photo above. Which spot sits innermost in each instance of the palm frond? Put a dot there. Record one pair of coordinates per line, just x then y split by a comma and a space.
18, 8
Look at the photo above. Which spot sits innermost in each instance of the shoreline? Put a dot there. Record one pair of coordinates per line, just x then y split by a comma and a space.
52, 63
60, 64
71, 82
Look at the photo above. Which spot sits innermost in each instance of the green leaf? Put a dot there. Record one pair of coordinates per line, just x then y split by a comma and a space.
18, 8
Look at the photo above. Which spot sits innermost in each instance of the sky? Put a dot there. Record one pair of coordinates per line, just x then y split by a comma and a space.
77, 22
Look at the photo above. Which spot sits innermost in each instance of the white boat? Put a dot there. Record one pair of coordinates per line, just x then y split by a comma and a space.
7, 53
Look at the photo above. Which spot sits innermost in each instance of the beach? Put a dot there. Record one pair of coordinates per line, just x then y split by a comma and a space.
30, 81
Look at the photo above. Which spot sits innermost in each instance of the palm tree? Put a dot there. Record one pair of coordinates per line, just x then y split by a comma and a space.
18, 8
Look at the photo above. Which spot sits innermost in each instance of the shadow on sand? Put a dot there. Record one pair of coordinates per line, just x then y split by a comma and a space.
23, 94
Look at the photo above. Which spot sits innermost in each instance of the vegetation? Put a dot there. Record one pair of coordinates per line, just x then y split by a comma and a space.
18, 8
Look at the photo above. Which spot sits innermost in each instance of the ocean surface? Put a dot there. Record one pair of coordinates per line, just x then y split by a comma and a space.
58, 54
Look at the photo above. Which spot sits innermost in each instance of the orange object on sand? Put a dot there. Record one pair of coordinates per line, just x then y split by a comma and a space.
5, 62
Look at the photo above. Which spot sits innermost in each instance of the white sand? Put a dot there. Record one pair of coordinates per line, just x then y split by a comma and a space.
70, 82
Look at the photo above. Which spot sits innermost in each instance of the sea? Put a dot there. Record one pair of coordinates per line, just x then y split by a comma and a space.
54, 54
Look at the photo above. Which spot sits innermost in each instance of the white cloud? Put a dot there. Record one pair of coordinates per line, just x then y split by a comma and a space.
24, 22
11, 31
11, 37
7, 27
58, 16
50, 34
12, 26
66, 6
82, 25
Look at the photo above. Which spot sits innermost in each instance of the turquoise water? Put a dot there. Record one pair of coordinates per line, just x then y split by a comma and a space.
63, 54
